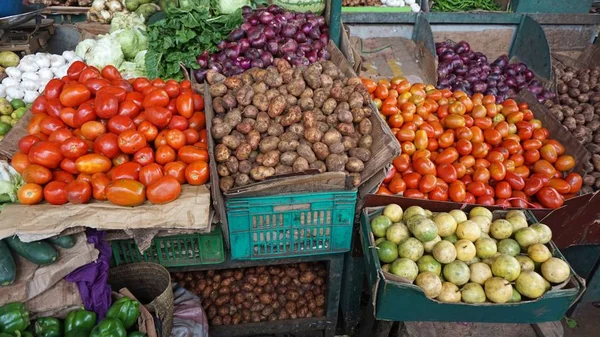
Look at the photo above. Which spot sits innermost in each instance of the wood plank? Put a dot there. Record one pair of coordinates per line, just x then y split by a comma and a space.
383, 329
420, 329
549, 329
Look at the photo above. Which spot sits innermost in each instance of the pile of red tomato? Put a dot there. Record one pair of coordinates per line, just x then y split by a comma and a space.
470, 149
95, 135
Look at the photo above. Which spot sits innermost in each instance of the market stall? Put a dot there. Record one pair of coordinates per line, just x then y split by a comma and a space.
198, 168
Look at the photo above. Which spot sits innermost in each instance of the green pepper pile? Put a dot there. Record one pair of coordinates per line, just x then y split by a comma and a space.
121, 317
464, 5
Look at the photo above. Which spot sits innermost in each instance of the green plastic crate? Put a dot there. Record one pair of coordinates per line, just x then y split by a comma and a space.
291, 224
174, 251
551, 6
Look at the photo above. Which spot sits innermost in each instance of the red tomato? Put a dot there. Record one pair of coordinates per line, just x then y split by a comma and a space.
56, 193
151, 173
185, 105
148, 130
503, 190
107, 145
68, 165
438, 194
53, 107
117, 124
45, 153
129, 109
118, 92
427, 183
497, 171
106, 105
30, 194
39, 105
74, 95
424, 166
75, 70
175, 139
92, 130
129, 170
447, 173
135, 97
457, 192
163, 190
85, 113
19, 161
53, 88
197, 173
120, 159
575, 181
189, 154
140, 83
172, 88
158, 116
197, 121
144, 156
88, 73
156, 98
79, 191
397, 184
198, 102
533, 185
99, 183
122, 84
549, 198
36, 174
50, 124
178, 122
131, 141
560, 185
27, 142
60, 135
126, 192
74, 147
63, 176
164, 154
413, 193
93, 163
515, 181
191, 136
111, 73
95, 84
176, 169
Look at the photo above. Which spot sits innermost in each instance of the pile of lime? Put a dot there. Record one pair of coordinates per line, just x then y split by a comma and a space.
10, 113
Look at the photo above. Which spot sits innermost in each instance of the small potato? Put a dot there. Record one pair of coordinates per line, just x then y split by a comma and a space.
241, 137
269, 143
337, 148
233, 82
332, 136
260, 88
326, 81
253, 138
323, 127
261, 102
218, 105
232, 164
242, 152
355, 165
358, 115
306, 103
283, 169
245, 126
247, 78
329, 106
233, 118
272, 93
229, 101
306, 152
313, 135
288, 136
218, 90
219, 131
297, 129
320, 96
365, 141
287, 76
273, 79
337, 93
365, 127
222, 153
213, 77
313, 79
316, 68
271, 159
287, 145
343, 106
363, 154
296, 87
283, 90
307, 93
319, 165
335, 163
346, 129
226, 183
276, 106
300, 165
345, 116
282, 65
261, 173
288, 158
222, 170
253, 156
356, 100
294, 115
309, 119
275, 129
291, 100
349, 142
321, 150
242, 179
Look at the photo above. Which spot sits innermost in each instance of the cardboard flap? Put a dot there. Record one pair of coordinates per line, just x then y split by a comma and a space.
32, 223
57, 301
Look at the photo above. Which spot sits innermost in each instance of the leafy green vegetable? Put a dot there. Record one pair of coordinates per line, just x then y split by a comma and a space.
190, 28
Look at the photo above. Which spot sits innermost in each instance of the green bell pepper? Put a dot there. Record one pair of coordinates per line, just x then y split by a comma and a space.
79, 323
13, 317
136, 334
126, 310
48, 327
109, 327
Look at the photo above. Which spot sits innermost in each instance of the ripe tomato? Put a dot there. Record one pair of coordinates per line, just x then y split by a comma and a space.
144, 156
413, 193
107, 145
163, 190
564, 163
68, 165
189, 154
45, 153
27, 142
191, 136
19, 162
36, 174
476, 188
156, 98
427, 183
503, 190
397, 184
148, 130
124, 85
197, 121
164, 154
412, 180
60, 135
176, 169
135, 97
111, 73
457, 192
53, 88
79, 191
30, 194
93, 163
497, 171
185, 105
560, 185
158, 116
50, 124
178, 122
197, 173
74, 95
382, 190
53, 107
575, 181
544, 167
117, 124
131, 141
560, 149
515, 181
129, 109
88, 73
533, 185
106, 104
120, 159
99, 183
448, 156
56, 193
150, 173
447, 173
549, 198
63, 176
548, 153
129, 170
95, 84
39, 105
92, 129
424, 166
126, 192
438, 194
67, 116
85, 113
198, 102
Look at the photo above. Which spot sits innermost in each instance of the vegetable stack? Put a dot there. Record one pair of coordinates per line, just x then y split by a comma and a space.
94, 134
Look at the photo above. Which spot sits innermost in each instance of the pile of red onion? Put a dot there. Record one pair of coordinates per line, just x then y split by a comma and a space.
268, 33
459, 68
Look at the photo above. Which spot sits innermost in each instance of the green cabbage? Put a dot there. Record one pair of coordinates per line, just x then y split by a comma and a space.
106, 51
83, 47
127, 21
132, 41
230, 6
131, 70
140, 59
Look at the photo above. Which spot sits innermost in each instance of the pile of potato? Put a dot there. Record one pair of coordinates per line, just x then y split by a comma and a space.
283, 120
579, 112
259, 294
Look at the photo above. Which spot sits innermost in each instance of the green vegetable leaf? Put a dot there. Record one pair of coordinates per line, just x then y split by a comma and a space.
571, 323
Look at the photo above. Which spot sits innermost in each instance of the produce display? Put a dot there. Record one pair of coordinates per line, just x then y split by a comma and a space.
124, 141
462, 69
28, 79
80, 3
471, 149
578, 110
464, 5
301, 6
412, 4
283, 120
259, 294
40, 252
473, 258
124, 48
268, 33
10, 182
15, 321
10, 113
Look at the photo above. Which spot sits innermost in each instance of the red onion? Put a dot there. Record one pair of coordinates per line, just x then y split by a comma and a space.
266, 58
202, 59
289, 47
244, 44
236, 34
265, 17
200, 75
300, 37
288, 31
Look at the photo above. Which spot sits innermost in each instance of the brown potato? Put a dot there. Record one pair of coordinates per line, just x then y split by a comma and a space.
365, 142
222, 153
233, 118
345, 116
229, 101
262, 122
261, 172
221, 130
232, 164
287, 76
306, 103
297, 129
361, 153
213, 77
300, 165
335, 163
318, 165
242, 179
272, 93
329, 106
269, 143
242, 152
349, 142
248, 76
326, 81
233, 82
283, 91
365, 127
321, 150
261, 102
355, 165
320, 96
285, 146
293, 115
271, 159
282, 65
296, 87
218, 90
245, 126
259, 88
288, 158
276, 106
356, 100
222, 170
336, 148
305, 151
346, 129
232, 142
313, 135
359, 114
222, 300
332, 136
273, 79
283, 169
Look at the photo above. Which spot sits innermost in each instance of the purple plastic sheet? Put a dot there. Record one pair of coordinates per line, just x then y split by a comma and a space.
92, 279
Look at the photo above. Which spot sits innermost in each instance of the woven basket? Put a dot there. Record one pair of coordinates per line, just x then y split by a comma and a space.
150, 283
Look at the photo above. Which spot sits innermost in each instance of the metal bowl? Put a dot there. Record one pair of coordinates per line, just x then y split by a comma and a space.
29, 12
